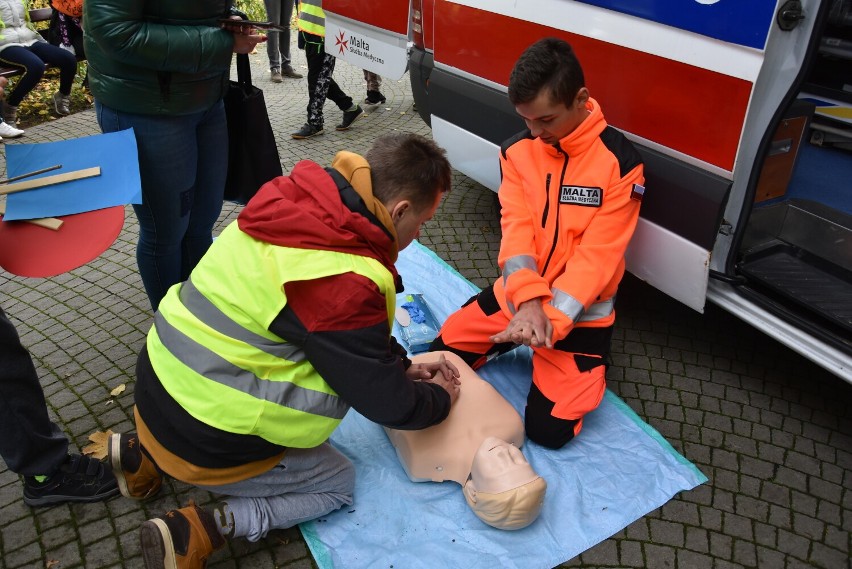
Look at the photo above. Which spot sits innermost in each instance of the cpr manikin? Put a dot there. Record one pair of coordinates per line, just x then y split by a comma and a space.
477, 446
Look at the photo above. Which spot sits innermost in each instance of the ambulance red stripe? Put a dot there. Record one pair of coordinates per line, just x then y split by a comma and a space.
687, 108
392, 16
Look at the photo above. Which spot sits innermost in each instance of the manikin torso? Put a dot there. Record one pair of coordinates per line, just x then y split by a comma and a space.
447, 450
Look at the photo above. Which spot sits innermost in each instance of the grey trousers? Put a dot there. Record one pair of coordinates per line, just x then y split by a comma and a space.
305, 485
278, 43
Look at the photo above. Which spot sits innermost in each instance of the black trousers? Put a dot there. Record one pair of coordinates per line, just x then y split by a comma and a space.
321, 84
30, 443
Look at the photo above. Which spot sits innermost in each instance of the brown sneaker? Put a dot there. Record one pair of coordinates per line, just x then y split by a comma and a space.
138, 477
180, 539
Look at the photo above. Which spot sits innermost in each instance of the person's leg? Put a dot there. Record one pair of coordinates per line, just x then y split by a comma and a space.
60, 58
209, 188
317, 81
33, 67
273, 14
168, 160
305, 485
30, 443
284, 37
333, 91
467, 331
569, 381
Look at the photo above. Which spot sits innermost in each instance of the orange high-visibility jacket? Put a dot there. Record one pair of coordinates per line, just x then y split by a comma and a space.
568, 213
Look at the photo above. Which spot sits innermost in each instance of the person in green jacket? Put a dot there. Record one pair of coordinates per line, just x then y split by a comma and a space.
162, 68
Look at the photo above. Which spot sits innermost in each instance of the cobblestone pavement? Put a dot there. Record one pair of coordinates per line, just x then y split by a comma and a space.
772, 431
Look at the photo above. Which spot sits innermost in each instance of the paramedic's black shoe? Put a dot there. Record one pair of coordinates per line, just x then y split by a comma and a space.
137, 475
307, 131
180, 539
79, 479
349, 117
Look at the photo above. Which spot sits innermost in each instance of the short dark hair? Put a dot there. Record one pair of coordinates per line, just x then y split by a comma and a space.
551, 63
408, 166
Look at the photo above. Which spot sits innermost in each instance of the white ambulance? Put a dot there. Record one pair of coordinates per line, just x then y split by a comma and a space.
742, 112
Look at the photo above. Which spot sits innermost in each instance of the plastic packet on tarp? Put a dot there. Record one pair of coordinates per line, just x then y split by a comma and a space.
417, 325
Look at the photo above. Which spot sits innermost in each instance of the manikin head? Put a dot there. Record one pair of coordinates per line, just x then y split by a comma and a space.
503, 490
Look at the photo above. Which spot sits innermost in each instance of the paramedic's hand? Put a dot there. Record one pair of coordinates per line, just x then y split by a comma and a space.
529, 326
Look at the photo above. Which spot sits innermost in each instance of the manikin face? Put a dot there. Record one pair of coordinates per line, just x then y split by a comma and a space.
499, 466
551, 120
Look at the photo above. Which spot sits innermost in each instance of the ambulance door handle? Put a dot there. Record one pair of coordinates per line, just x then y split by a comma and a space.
790, 15
782, 146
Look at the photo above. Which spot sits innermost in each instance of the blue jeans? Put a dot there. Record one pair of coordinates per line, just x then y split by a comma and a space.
183, 162
32, 60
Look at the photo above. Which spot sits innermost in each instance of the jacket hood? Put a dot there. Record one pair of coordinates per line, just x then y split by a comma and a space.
332, 210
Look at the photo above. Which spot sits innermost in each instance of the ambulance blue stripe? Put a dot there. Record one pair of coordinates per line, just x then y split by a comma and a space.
743, 22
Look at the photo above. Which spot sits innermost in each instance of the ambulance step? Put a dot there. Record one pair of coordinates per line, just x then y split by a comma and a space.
804, 279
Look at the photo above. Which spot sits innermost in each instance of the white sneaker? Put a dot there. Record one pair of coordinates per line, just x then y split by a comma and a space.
9, 131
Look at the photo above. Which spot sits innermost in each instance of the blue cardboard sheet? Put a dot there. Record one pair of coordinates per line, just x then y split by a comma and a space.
617, 470
118, 184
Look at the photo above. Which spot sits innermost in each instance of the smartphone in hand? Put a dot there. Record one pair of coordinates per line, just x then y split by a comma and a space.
252, 24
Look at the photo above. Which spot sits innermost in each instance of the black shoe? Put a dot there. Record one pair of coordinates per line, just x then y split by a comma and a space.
307, 131
79, 479
375, 98
288, 71
349, 117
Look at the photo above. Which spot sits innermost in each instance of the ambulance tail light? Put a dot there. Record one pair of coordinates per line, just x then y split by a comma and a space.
417, 23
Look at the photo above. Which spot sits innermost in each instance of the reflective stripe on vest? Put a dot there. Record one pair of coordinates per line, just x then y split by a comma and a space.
213, 352
311, 17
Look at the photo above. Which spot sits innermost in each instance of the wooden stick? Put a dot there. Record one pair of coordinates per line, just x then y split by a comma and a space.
28, 174
51, 180
46, 222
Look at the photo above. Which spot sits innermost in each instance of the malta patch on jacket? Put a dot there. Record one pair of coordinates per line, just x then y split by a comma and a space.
581, 195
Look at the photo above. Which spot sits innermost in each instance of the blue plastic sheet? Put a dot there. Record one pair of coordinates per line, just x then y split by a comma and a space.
118, 184
616, 471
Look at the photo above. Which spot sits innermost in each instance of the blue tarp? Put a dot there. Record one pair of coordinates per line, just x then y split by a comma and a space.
616, 471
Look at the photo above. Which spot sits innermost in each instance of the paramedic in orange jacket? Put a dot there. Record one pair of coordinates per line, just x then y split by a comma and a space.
570, 198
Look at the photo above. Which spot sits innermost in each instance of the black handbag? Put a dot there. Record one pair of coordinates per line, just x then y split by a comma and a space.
252, 154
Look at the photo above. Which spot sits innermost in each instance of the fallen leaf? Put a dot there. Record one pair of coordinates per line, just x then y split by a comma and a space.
98, 448
52, 563
118, 390
109, 402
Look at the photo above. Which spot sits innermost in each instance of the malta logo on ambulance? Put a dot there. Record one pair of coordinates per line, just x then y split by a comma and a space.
355, 48
581, 195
